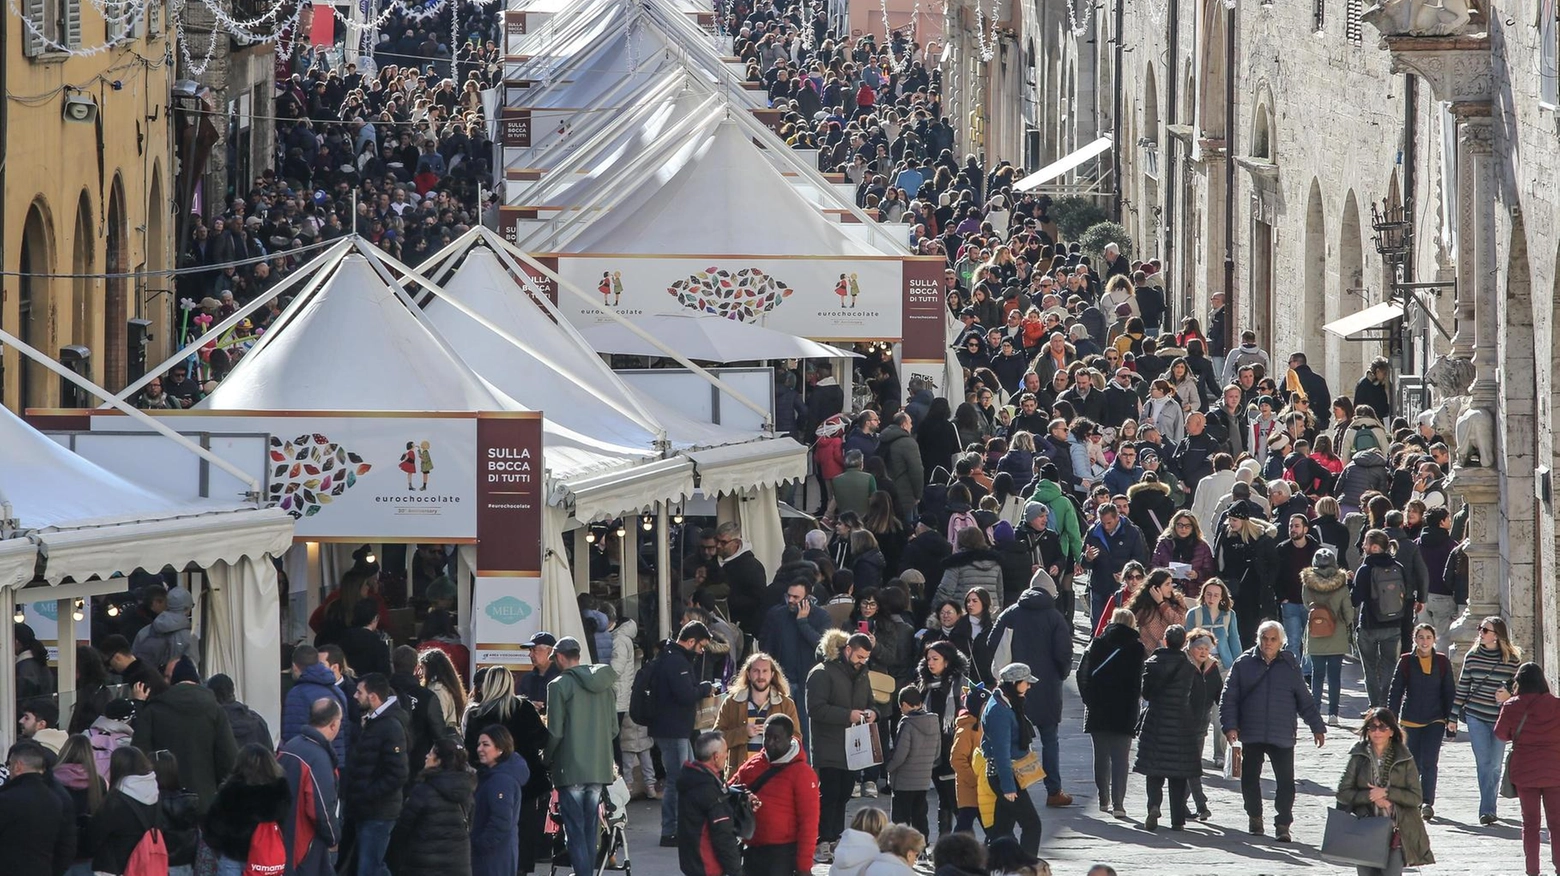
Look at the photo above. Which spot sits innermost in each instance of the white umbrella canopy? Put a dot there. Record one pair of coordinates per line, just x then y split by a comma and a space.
707, 339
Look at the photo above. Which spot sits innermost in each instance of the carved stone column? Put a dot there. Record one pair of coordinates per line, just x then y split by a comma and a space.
1476, 292
1480, 488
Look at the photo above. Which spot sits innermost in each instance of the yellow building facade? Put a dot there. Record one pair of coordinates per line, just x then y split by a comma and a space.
87, 173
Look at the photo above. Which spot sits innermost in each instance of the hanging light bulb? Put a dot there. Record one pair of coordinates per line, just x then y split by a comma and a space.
644, 523
77, 613
113, 609
370, 558
20, 616
590, 536
677, 518
621, 529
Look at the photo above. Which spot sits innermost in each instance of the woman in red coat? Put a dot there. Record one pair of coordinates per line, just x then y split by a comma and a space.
785, 832
829, 453
1530, 720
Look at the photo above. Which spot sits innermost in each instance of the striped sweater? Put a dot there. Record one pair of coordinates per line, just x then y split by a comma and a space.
1482, 674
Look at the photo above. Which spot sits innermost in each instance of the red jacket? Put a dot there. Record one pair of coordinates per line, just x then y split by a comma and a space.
1535, 760
830, 455
789, 805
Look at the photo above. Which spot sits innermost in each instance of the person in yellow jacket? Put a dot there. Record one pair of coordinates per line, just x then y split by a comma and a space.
974, 796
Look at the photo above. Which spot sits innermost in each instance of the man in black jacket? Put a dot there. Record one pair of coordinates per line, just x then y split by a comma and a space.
32, 816
1315, 388
677, 690
376, 772
425, 713
707, 839
187, 720
744, 575
309, 758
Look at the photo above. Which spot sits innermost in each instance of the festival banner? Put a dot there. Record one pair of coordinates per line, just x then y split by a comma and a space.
514, 127
505, 613
848, 298
925, 313
514, 24
510, 493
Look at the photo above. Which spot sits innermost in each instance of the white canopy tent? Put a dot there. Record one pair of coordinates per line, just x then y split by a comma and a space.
63, 518
709, 339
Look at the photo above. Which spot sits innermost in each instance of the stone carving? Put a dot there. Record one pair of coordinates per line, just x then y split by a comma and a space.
1450, 375
1475, 439
1449, 378
1419, 17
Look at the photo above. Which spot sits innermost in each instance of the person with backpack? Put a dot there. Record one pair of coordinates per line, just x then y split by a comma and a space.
707, 843
1381, 593
308, 760
32, 815
1329, 615
785, 824
244, 824
125, 837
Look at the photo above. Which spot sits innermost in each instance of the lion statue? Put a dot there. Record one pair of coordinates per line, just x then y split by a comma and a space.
1475, 438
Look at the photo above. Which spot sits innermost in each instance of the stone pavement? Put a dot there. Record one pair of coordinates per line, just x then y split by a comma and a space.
1081, 835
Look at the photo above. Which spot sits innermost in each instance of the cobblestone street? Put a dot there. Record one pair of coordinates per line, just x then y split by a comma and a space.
1080, 835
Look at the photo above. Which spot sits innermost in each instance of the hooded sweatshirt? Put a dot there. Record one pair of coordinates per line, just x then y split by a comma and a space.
168, 636
581, 721
855, 851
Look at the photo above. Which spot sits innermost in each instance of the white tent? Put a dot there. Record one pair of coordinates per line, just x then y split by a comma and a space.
709, 339
76, 521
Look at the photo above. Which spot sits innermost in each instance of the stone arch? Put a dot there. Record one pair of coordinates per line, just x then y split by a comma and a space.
1264, 133
116, 290
1351, 276
1313, 288
35, 311
1151, 175
1210, 117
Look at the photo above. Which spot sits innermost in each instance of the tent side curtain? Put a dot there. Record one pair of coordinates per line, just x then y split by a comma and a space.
560, 608
750, 466
222, 537
18, 559
240, 638
615, 493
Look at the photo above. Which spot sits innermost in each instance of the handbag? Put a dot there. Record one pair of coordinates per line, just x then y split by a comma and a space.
1027, 770
1508, 788
882, 687
1354, 841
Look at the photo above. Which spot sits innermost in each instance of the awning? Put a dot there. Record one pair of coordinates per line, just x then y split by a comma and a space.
1371, 317
707, 339
615, 493
1064, 165
222, 537
749, 466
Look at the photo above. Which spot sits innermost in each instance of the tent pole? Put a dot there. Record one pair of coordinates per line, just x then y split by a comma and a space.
581, 560
65, 637
663, 569
628, 562
34, 354
8, 715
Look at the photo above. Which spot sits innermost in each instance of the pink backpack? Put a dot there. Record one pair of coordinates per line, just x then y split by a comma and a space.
104, 743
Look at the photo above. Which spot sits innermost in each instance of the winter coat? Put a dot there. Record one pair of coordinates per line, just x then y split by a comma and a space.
125, 816
887, 864
1403, 791
1002, 741
1110, 680
1367, 471
1332, 593
829, 456
790, 802
623, 661
310, 749
1014, 560
966, 740
431, 834
248, 726
187, 720
530, 734
375, 772
678, 692
1168, 745
732, 719
792, 639
1248, 569
1428, 696
1535, 758
925, 553
1063, 519
1168, 416
1361, 593
1262, 699
1151, 509
1119, 479
834, 689
966, 570
1193, 459
495, 818
1193, 552
164, 640
1153, 623
1033, 632
1116, 550
238, 809
869, 569
1021, 465
917, 745
1226, 634
745, 575
316, 682
581, 721
855, 850
938, 442
1416, 570
32, 816
707, 844
902, 460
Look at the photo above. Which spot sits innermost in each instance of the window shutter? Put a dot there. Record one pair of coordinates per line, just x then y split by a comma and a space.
152, 18
32, 46
72, 24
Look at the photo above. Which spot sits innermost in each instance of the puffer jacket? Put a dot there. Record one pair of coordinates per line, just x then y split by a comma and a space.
966, 570
790, 802
1151, 509
1262, 699
966, 741
856, 849
916, 747
1366, 471
834, 689
238, 809
316, 682
1033, 632
1168, 745
1403, 791
376, 768
1110, 680
623, 662
430, 835
1330, 591
1021, 465
495, 818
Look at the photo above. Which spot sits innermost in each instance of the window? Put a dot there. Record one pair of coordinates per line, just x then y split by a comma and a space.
120, 25
1548, 54
1318, 14
1353, 29
59, 23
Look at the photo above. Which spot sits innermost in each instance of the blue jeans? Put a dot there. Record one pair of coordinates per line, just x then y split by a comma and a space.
579, 807
1293, 615
674, 753
1424, 743
1050, 758
1489, 756
373, 838
227, 867
1097, 602
1330, 667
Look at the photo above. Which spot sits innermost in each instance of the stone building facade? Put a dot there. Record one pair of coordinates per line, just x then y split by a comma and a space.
242, 78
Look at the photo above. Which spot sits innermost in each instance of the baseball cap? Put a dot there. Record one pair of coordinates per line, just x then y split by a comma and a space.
543, 638
568, 646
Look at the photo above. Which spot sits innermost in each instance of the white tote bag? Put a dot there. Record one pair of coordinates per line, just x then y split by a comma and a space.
862, 748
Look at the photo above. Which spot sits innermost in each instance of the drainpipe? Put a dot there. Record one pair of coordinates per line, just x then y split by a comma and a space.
1115, 113
1172, 91
1229, 178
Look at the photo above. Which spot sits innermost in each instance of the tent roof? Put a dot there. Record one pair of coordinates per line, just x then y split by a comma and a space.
354, 346
701, 201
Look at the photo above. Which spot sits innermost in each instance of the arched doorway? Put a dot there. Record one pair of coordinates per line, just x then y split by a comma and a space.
1351, 294
116, 299
34, 325
1313, 290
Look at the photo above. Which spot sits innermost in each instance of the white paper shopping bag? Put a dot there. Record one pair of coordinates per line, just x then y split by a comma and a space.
862, 748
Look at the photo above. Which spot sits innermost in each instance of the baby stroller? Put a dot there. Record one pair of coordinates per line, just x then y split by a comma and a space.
611, 837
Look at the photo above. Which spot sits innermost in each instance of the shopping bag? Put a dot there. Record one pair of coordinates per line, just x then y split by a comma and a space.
862, 748
1233, 757
1358, 842
882, 687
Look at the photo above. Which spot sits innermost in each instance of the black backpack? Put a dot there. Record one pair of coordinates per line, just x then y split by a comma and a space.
741, 802
641, 701
1389, 593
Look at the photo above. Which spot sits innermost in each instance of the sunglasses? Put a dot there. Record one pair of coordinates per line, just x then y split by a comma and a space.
1486, 629
1135, 577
